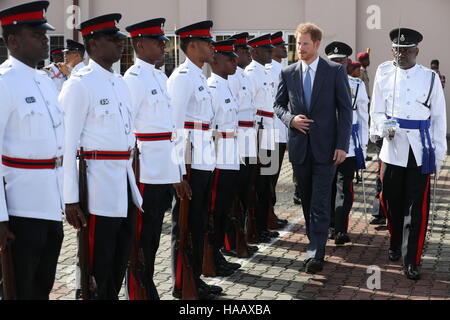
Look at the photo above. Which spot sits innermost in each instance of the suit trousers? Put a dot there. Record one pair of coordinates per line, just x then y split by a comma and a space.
342, 195
315, 182
201, 184
35, 255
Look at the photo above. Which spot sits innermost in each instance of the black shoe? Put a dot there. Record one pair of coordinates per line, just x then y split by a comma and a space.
223, 271
305, 262
368, 158
283, 221
252, 249
331, 233
314, 266
411, 272
264, 239
270, 234
341, 238
394, 254
229, 253
78, 294
378, 220
204, 294
232, 265
210, 288
297, 200
176, 294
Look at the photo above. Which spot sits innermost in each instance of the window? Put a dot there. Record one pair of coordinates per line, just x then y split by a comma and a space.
56, 42
127, 59
172, 56
292, 49
3, 51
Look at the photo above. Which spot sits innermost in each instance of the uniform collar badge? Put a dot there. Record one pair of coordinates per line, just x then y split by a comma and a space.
104, 102
30, 99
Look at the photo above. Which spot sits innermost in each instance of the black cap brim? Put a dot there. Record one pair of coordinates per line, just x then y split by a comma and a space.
43, 26
230, 54
243, 46
158, 37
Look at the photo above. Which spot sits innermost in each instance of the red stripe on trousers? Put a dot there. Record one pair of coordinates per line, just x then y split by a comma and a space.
227, 243
347, 218
214, 190
423, 225
383, 207
91, 239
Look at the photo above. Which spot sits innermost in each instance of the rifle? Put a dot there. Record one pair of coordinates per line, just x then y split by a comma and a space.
272, 219
188, 286
8, 280
208, 265
235, 217
251, 231
87, 280
136, 266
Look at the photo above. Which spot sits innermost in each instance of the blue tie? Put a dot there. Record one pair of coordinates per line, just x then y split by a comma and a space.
307, 89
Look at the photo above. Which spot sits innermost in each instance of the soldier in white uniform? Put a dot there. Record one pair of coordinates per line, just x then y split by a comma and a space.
408, 110
74, 56
261, 88
98, 115
279, 52
343, 195
193, 112
226, 174
153, 128
32, 146
241, 89
56, 70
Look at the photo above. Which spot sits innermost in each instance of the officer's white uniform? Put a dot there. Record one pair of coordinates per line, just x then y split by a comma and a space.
153, 117
188, 81
360, 103
98, 116
411, 90
225, 123
281, 131
77, 67
261, 81
241, 89
31, 127
57, 76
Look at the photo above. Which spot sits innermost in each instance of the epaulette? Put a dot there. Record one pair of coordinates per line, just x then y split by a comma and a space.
184, 70
134, 70
357, 80
42, 72
211, 86
83, 71
5, 69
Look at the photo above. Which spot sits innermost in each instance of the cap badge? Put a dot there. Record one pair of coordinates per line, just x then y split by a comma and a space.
402, 37
336, 50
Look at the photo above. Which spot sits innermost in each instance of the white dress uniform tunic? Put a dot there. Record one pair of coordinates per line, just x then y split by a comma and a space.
98, 117
360, 103
57, 76
261, 80
193, 111
77, 67
241, 89
411, 92
31, 128
153, 124
281, 131
225, 123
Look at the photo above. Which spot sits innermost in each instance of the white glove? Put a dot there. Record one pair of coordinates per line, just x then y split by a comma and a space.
388, 128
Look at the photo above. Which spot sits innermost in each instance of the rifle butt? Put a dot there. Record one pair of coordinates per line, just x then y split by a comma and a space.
208, 266
8, 275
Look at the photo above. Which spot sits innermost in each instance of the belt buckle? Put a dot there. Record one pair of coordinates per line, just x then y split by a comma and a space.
58, 162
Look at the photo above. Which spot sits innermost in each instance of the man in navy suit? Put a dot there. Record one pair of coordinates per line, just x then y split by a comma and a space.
314, 102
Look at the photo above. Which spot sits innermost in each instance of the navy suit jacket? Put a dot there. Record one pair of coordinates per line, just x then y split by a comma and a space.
330, 109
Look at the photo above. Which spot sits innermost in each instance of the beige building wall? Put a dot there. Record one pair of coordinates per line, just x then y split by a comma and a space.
361, 23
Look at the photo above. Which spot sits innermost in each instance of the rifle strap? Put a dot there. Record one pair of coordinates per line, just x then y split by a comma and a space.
426, 103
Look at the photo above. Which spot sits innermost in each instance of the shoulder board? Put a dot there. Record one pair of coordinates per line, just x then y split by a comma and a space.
83, 71
42, 72
184, 70
5, 69
211, 86
269, 66
357, 80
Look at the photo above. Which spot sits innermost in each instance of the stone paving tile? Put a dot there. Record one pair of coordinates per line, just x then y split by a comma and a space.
276, 272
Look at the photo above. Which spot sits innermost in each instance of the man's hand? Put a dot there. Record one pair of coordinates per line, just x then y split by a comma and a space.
301, 123
75, 216
339, 156
5, 235
64, 68
183, 190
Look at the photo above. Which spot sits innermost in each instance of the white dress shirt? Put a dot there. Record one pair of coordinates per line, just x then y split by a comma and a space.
312, 71
241, 89
225, 120
411, 90
98, 116
152, 114
192, 102
31, 127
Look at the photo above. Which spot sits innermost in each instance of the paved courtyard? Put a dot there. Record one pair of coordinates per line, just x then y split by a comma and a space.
350, 271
